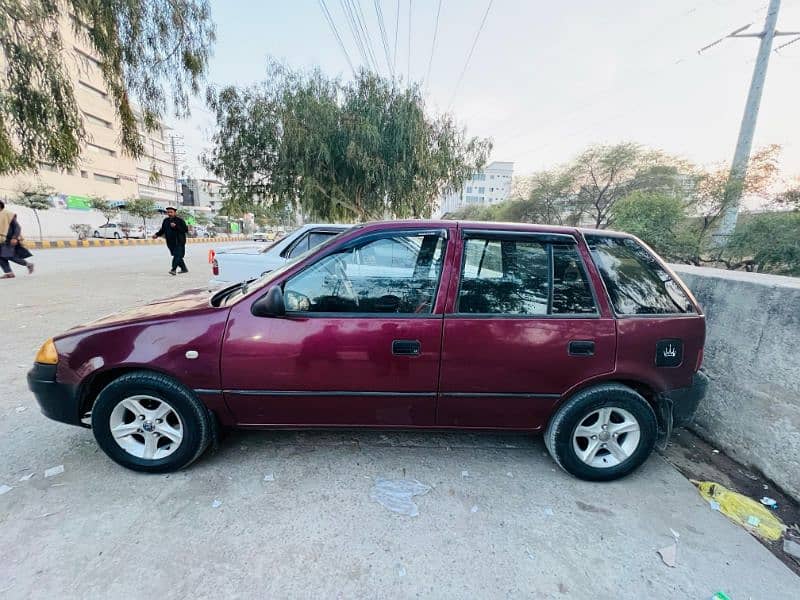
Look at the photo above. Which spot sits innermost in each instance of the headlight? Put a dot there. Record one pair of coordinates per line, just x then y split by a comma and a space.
47, 354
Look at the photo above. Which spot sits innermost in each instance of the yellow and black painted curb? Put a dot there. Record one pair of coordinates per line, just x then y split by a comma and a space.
95, 243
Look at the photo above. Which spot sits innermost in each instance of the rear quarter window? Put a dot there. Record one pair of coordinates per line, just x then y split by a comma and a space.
637, 284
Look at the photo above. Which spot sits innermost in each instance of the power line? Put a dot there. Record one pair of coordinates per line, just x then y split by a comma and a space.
335, 31
408, 71
471, 50
384, 36
362, 23
351, 23
433, 44
396, 31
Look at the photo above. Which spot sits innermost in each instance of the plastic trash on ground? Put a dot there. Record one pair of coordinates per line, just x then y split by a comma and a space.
397, 494
743, 510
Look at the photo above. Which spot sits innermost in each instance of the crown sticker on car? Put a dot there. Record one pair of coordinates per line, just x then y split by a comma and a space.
669, 353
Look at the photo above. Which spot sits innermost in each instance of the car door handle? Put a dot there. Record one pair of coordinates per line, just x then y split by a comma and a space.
406, 348
581, 348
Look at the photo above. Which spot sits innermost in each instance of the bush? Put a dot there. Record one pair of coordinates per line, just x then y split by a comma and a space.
768, 242
656, 218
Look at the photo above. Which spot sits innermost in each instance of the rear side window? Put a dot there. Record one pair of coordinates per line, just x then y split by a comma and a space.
636, 282
523, 277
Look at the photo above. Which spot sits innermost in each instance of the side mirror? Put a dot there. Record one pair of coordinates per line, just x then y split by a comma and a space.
270, 305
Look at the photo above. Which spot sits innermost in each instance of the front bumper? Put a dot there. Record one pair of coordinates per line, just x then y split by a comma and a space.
684, 401
58, 401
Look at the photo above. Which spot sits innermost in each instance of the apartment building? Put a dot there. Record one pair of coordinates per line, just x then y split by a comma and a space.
489, 186
203, 193
104, 170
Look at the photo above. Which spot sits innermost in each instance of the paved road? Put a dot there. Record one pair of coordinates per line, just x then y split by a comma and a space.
514, 526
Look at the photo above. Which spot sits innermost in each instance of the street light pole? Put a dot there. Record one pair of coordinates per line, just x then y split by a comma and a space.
745, 142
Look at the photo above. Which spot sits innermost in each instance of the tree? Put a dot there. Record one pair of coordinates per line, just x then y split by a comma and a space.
711, 196
551, 200
768, 242
337, 151
104, 207
36, 198
605, 174
155, 51
656, 217
143, 208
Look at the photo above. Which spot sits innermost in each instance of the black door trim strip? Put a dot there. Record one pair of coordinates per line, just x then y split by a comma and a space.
295, 393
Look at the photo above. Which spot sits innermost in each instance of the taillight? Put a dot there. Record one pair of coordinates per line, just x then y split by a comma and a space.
215, 267
699, 360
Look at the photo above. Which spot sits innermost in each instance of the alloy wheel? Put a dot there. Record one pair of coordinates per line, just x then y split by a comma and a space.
606, 437
146, 427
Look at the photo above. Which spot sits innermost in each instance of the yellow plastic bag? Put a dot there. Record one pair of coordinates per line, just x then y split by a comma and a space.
745, 511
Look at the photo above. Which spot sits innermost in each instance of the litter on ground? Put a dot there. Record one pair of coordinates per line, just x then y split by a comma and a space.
742, 510
397, 494
770, 502
21, 409
216, 503
474, 509
27, 477
5, 488
465, 473
269, 477
52, 471
669, 554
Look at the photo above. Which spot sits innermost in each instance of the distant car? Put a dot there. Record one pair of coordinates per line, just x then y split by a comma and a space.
240, 263
119, 231
263, 236
584, 335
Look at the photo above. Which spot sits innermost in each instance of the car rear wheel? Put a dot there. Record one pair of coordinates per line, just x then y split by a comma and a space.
96, 234
148, 422
602, 433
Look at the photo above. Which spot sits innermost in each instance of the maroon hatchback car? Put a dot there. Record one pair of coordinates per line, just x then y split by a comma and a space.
586, 335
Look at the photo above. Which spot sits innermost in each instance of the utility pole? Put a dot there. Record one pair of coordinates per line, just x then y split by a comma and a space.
178, 195
741, 155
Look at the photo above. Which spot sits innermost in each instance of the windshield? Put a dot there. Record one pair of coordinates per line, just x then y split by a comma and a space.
232, 295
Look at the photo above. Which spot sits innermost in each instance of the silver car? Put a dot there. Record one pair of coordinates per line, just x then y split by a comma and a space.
232, 264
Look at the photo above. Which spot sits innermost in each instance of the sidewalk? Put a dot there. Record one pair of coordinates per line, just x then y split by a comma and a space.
94, 243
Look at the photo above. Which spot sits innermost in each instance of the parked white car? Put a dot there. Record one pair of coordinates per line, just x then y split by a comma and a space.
112, 230
232, 264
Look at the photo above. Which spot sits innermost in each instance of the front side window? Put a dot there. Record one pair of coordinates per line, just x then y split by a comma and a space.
396, 274
523, 277
636, 282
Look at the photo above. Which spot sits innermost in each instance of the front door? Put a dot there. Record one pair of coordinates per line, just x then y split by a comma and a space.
360, 343
522, 329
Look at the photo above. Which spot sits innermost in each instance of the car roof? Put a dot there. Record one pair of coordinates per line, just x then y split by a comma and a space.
491, 225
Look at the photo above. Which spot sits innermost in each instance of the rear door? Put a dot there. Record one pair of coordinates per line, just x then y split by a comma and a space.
522, 327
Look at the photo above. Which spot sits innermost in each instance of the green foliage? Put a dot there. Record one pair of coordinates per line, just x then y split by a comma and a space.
155, 51
103, 206
142, 208
768, 242
337, 151
655, 217
36, 198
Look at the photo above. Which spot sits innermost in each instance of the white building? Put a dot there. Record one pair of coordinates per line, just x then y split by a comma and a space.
490, 186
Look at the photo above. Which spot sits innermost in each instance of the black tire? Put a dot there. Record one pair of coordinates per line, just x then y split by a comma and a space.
96, 234
194, 416
559, 434
116, 235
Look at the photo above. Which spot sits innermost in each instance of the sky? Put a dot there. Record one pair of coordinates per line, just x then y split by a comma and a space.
546, 78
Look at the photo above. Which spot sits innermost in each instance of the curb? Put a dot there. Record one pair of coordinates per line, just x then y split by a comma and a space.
95, 243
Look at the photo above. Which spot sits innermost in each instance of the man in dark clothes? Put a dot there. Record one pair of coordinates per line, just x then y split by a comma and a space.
174, 230
11, 248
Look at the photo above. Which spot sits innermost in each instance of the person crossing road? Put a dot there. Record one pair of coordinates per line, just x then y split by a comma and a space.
174, 230
11, 248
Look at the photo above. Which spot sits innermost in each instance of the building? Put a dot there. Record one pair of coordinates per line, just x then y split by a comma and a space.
203, 193
104, 170
490, 186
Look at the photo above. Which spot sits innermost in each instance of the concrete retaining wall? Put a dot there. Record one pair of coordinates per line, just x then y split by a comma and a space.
752, 356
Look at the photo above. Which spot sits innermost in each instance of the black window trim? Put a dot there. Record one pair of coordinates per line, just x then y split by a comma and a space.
304, 236
617, 315
362, 240
545, 238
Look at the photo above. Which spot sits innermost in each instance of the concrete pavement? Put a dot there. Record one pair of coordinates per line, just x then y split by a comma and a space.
500, 520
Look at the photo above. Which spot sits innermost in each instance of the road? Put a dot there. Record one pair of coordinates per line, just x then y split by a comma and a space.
500, 520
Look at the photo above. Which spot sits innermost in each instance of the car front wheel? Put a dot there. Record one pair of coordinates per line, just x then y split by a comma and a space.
148, 422
602, 433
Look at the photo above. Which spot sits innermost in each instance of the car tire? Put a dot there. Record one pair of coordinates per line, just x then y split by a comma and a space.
116, 235
602, 433
96, 234
171, 412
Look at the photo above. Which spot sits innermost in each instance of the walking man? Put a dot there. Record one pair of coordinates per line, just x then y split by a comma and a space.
11, 248
174, 230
